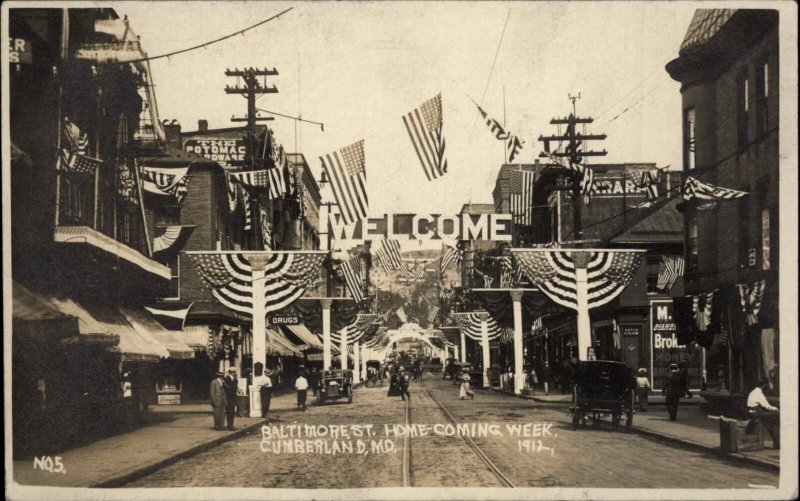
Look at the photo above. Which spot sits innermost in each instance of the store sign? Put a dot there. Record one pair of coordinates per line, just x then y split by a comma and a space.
494, 227
284, 320
173, 399
20, 51
631, 331
226, 152
617, 187
666, 350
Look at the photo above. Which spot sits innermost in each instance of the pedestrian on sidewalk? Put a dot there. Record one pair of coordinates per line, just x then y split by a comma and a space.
464, 390
403, 381
761, 411
265, 392
547, 377
231, 386
301, 385
218, 400
642, 389
674, 388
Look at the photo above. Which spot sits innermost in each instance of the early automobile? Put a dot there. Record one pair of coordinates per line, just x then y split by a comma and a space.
603, 388
335, 384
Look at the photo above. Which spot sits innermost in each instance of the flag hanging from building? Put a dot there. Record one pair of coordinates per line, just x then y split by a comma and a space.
353, 272
616, 334
424, 126
669, 270
171, 238
696, 189
248, 211
470, 324
701, 309
554, 272
266, 228
287, 275
77, 164
389, 254
346, 170
750, 298
233, 192
507, 275
171, 181
650, 180
513, 143
449, 255
521, 184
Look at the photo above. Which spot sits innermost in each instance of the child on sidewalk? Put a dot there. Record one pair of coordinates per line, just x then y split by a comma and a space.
642, 389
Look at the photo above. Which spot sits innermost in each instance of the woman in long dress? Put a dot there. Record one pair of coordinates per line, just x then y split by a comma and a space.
464, 391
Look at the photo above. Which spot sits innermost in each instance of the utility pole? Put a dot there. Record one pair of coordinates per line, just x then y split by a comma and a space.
574, 152
252, 86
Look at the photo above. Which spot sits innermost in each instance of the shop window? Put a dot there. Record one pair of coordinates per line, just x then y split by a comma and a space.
689, 139
174, 264
692, 243
742, 111
762, 98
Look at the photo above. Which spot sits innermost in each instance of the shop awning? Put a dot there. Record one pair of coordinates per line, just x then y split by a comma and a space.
306, 335
28, 305
148, 326
278, 342
196, 336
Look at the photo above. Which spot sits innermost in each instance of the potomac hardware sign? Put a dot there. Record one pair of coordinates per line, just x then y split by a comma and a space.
494, 227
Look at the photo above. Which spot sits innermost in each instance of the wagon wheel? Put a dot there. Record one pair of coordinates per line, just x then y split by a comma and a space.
629, 413
575, 409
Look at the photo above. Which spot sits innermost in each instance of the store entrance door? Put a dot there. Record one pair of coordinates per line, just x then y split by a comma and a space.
630, 351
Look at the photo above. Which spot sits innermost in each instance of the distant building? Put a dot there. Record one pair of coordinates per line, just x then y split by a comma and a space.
728, 67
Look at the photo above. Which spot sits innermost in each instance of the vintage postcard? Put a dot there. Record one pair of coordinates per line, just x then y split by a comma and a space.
400, 250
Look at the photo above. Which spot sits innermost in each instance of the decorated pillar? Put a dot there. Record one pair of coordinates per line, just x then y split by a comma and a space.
455, 352
257, 264
356, 363
326, 333
582, 301
343, 349
484, 317
463, 346
519, 373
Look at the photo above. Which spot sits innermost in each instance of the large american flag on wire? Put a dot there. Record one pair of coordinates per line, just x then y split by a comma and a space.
670, 268
346, 170
357, 328
166, 181
424, 126
693, 188
287, 275
389, 253
449, 255
521, 189
353, 272
512, 142
554, 272
470, 325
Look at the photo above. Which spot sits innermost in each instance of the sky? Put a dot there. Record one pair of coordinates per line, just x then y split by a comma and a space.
358, 67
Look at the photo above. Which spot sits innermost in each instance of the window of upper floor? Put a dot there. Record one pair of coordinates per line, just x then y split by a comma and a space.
742, 111
689, 139
762, 97
167, 215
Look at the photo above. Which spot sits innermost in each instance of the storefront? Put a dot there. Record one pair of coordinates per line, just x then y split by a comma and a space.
665, 348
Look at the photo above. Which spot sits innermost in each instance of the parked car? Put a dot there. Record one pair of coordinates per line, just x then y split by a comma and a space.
335, 384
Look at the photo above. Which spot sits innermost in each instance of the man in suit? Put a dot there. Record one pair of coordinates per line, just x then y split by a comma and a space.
218, 400
231, 385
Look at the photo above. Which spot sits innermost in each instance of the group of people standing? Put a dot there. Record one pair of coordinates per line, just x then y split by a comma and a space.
222, 394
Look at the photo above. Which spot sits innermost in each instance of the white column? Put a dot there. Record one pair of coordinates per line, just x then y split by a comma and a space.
326, 333
463, 347
582, 295
455, 352
485, 346
364, 352
356, 363
519, 374
343, 349
259, 328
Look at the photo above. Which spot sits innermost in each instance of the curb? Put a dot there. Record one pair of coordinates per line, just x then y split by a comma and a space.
120, 479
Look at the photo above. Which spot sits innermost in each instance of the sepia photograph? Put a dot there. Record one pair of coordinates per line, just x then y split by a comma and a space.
400, 250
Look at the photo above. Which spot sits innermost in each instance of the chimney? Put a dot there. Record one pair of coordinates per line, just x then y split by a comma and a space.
536, 160
172, 131
202, 126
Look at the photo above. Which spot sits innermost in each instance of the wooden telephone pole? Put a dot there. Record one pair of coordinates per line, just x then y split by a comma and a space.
252, 86
574, 152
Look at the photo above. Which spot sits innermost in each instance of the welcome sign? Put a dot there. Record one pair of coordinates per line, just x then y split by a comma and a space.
493, 227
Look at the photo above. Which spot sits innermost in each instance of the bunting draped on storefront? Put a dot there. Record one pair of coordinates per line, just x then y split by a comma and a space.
554, 272
287, 275
470, 325
379, 341
357, 329
167, 181
343, 313
501, 308
696, 189
171, 238
701, 309
750, 297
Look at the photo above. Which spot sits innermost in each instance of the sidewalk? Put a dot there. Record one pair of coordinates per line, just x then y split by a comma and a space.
170, 435
693, 427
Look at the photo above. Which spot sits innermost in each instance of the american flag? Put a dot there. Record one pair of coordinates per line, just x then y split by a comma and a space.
389, 254
513, 143
353, 270
78, 164
650, 180
554, 272
750, 298
696, 189
669, 270
451, 254
424, 126
248, 210
346, 170
166, 181
521, 189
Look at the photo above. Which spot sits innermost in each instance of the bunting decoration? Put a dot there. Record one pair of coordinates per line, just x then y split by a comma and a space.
554, 272
701, 309
424, 126
248, 211
521, 189
266, 228
449, 255
696, 189
353, 270
346, 170
650, 180
169, 181
410, 275
389, 254
750, 298
670, 268
287, 275
172, 238
357, 329
513, 143
470, 325
233, 192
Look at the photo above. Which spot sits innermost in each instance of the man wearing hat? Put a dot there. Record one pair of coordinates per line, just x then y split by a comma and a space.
218, 400
231, 385
674, 388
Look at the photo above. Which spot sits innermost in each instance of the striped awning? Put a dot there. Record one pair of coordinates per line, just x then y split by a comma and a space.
306, 335
146, 325
280, 344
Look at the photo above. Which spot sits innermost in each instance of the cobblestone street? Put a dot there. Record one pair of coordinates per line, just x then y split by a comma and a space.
560, 457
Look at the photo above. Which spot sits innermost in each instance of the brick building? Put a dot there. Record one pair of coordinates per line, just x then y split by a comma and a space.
728, 67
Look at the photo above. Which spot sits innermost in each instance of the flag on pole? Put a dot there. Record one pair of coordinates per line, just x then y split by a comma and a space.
424, 126
513, 143
521, 189
451, 254
389, 254
352, 271
348, 177
77, 164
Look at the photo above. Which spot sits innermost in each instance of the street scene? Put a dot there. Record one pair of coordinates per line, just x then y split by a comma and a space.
482, 250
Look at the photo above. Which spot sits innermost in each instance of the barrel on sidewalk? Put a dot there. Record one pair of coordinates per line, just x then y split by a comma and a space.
734, 439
